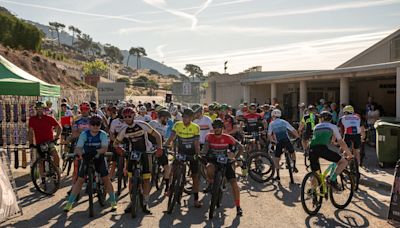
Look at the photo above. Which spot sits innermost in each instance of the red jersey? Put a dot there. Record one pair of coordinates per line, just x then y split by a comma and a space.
219, 144
229, 123
253, 121
43, 128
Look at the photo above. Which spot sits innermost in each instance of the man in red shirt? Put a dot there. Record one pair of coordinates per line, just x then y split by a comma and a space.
42, 127
219, 144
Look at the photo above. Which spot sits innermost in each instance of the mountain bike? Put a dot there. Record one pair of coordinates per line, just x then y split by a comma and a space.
314, 188
45, 174
121, 176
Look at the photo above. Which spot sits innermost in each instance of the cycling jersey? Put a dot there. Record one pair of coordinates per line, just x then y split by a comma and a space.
186, 136
81, 124
90, 142
116, 126
350, 124
229, 123
309, 120
159, 127
218, 145
212, 117
280, 128
170, 125
145, 118
253, 122
205, 124
323, 133
137, 135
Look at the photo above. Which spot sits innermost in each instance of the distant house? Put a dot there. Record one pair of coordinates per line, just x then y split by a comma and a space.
187, 91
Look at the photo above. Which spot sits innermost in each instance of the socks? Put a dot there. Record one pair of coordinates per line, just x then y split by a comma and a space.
71, 198
333, 177
196, 196
112, 197
237, 203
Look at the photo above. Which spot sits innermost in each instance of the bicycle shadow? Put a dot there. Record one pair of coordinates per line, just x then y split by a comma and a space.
289, 198
376, 207
319, 220
351, 218
375, 188
248, 186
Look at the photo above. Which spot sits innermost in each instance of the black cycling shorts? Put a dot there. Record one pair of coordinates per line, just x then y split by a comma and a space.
100, 165
306, 136
229, 171
283, 144
353, 141
163, 159
146, 161
322, 151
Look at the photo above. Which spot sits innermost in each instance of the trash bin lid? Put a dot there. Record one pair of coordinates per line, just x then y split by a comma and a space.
387, 122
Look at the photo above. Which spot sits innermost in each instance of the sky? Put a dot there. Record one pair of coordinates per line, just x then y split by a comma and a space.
274, 34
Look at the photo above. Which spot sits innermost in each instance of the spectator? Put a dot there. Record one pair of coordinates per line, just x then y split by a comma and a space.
372, 116
335, 114
321, 105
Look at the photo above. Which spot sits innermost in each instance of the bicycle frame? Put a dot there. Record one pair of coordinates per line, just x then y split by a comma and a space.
331, 168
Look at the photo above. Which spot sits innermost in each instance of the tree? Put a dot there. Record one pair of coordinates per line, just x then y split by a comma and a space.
132, 51
84, 42
58, 27
75, 31
95, 68
113, 53
193, 70
140, 52
95, 49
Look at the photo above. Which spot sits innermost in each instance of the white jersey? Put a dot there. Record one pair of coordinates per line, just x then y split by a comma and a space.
116, 126
145, 118
205, 124
160, 128
178, 117
351, 124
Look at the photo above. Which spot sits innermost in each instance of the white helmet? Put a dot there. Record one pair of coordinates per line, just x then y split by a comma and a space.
142, 109
276, 112
173, 109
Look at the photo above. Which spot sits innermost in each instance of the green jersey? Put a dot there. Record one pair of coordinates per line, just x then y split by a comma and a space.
323, 133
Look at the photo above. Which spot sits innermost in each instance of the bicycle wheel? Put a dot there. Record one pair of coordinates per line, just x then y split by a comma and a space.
311, 193
120, 170
156, 176
90, 191
289, 166
307, 159
261, 166
176, 188
215, 193
47, 181
101, 193
354, 171
135, 196
340, 199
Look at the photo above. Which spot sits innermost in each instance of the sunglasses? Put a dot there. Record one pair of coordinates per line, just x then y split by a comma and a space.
95, 123
128, 117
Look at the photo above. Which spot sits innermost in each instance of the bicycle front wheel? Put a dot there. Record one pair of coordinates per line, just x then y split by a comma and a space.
215, 193
342, 198
176, 188
261, 166
134, 196
45, 176
90, 191
311, 193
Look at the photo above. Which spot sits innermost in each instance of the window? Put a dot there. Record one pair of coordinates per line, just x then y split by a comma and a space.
395, 49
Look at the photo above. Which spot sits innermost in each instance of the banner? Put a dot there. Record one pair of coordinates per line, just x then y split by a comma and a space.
8, 198
111, 92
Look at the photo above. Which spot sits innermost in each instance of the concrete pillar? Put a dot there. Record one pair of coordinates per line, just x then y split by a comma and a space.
398, 93
303, 93
246, 94
274, 93
344, 90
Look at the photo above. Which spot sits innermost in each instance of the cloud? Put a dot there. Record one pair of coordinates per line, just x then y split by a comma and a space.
161, 4
314, 54
75, 12
159, 50
308, 10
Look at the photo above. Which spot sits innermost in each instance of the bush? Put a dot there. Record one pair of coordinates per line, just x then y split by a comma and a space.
126, 80
95, 68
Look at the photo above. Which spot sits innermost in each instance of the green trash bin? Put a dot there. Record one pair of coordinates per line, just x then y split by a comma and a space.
387, 141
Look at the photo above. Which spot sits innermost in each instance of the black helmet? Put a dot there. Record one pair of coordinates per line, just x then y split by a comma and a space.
95, 120
93, 104
187, 112
197, 108
164, 113
40, 104
326, 115
218, 123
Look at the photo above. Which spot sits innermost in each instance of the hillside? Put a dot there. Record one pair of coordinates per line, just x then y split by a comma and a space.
147, 63
44, 68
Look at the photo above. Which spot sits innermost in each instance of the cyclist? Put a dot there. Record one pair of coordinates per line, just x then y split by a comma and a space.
278, 133
204, 123
176, 115
307, 125
187, 134
92, 144
116, 123
352, 129
66, 118
252, 121
42, 127
218, 143
160, 125
212, 108
137, 133
143, 115
95, 110
322, 137
230, 126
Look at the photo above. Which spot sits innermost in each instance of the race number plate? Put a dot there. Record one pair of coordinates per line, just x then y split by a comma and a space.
181, 157
222, 159
135, 156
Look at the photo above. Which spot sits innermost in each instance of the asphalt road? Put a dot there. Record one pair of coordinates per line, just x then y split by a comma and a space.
270, 205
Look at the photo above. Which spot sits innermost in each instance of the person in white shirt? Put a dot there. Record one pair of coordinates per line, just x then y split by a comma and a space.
204, 122
143, 116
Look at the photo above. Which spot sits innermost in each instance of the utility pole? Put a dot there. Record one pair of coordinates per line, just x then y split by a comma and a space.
225, 66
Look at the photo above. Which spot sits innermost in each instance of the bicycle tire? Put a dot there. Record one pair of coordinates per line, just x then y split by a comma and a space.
215, 193
134, 196
120, 175
53, 168
101, 193
345, 175
307, 163
289, 167
305, 192
177, 187
355, 172
90, 191
255, 173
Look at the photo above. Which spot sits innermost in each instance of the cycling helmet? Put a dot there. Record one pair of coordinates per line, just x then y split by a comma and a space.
95, 120
173, 109
322, 101
348, 109
253, 105
276, 112
218, 123
187, 112
93, 104
326, 115
211, 107
311, 107
142, 109
302, 105
121, 104
159, 108
49, 103
241, 106
164, 113
40, 104
84, 106
197, 108
128, 111
224, 107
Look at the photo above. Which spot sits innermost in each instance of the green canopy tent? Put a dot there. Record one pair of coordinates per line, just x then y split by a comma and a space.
15, 81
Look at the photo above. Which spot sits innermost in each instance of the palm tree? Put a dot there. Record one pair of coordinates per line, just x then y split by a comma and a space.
58, 27
132, 51
139, 51
74, 31
95, 48
84, 42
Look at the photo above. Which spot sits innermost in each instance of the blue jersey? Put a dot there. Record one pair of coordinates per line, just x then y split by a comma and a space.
280, 127
81, 124
91, 143
170, 124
